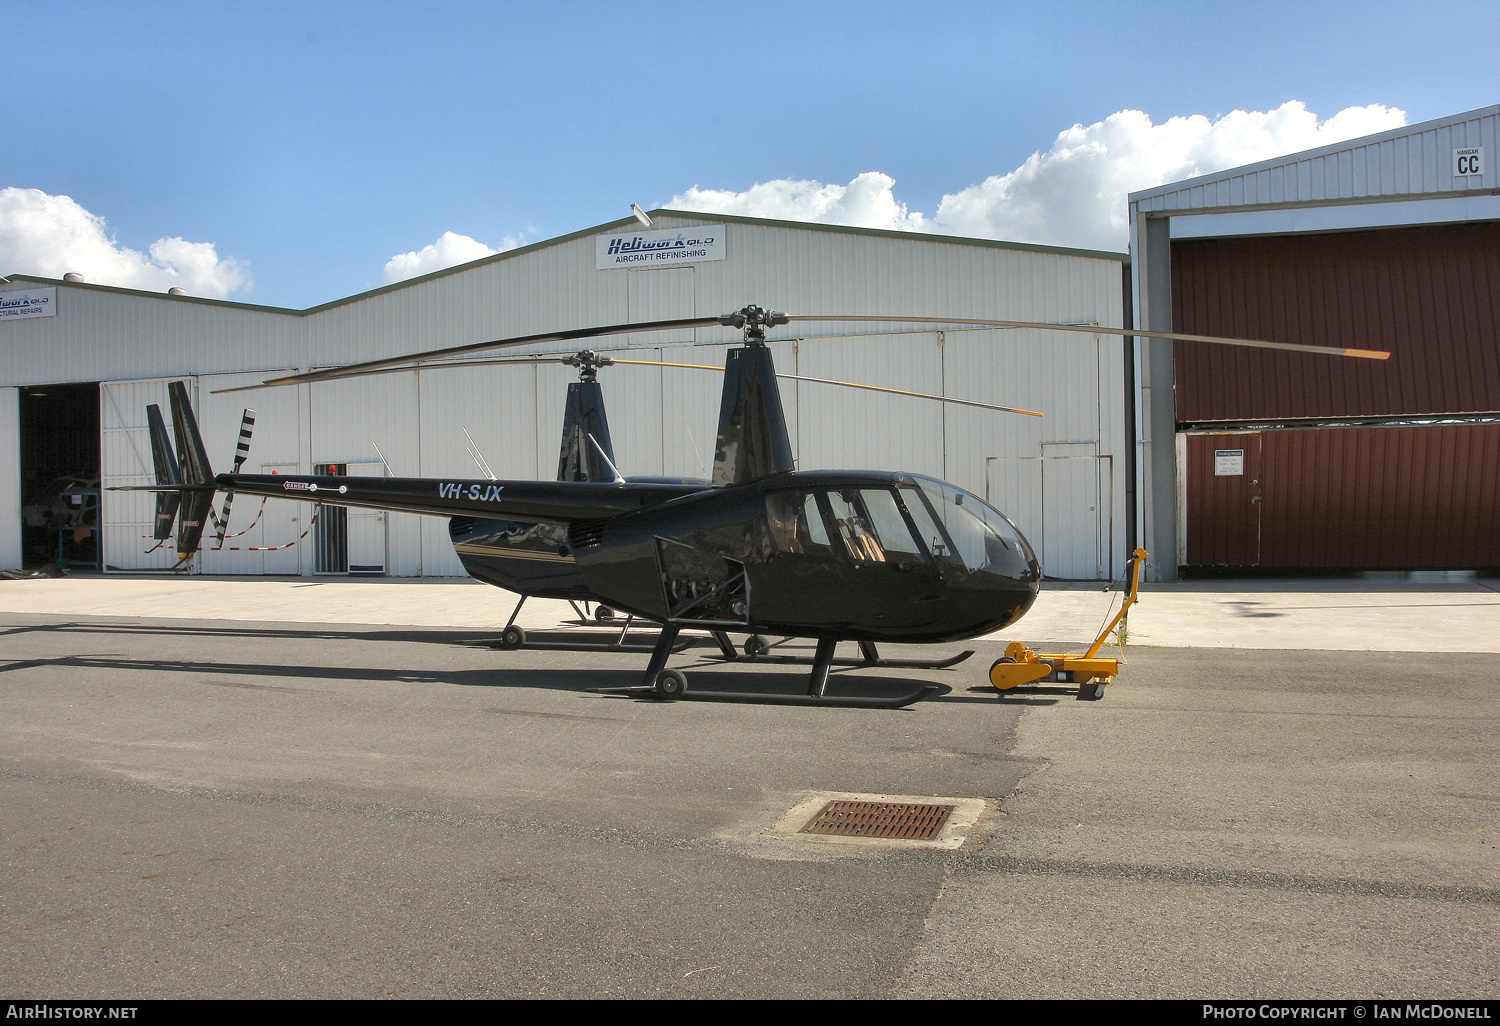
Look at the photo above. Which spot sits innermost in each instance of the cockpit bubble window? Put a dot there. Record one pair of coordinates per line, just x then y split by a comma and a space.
796, 525
934, 535
980, 535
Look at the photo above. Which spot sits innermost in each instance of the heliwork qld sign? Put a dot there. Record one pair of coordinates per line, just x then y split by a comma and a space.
662, 248
28, 303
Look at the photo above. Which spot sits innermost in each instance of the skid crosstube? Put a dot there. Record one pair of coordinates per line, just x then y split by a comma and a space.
900, 664
555, 645
869, 655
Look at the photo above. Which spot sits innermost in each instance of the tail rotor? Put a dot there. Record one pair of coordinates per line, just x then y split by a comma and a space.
185, 482
241, 453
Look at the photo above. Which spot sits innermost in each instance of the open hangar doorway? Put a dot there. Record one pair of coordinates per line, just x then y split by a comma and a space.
59, 465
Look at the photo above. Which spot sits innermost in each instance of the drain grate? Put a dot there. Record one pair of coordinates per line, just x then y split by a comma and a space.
879, 819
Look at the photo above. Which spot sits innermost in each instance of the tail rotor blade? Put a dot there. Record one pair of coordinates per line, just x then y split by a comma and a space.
242, 449
241, 453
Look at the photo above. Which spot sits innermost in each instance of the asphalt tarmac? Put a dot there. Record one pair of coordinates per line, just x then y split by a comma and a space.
204, 808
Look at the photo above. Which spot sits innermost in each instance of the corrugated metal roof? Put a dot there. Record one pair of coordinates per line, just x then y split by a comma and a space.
1412, 161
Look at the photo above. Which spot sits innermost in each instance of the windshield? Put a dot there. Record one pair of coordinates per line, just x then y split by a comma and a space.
965, 529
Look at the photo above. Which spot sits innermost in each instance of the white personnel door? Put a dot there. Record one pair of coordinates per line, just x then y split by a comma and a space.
1070, 518
367, 528
1060, 504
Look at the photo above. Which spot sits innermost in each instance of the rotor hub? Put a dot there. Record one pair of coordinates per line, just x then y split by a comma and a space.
754, 320
588, 363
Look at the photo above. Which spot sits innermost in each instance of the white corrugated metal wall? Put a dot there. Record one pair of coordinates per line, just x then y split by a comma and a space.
663, 419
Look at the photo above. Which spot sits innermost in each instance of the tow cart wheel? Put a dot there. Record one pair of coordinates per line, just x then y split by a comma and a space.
671, 685
603, 614
997, 662
756, 645
1091, 692
514, 637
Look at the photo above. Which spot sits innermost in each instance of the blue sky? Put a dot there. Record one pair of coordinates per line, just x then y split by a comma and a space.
310, 144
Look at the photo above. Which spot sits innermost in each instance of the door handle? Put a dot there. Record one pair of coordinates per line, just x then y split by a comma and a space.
1257, 498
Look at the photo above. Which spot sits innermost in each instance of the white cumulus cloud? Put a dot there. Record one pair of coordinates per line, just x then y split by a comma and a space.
867, 202
49, 236
449, 250
1075, 193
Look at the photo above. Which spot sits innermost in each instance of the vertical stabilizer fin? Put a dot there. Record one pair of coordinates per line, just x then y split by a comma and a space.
584, 418
167, 473
753, 441
197, 506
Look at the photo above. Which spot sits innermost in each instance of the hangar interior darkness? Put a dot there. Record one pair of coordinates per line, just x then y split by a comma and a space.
60, 474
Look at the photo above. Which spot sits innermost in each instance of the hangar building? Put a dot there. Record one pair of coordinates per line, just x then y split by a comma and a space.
79, 363
1260, 459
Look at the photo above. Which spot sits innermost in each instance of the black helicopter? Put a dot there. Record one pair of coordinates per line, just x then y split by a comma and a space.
523, 556
832, 555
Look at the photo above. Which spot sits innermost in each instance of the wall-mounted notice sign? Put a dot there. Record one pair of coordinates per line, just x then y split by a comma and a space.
1229, 463
663, 248
28, 303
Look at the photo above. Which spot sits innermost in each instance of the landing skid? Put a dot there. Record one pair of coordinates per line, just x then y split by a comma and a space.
757, 650
672, 685
763, 698
556, 642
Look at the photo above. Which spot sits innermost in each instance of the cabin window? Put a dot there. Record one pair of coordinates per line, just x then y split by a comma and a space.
869, 526
795, 524
891, 528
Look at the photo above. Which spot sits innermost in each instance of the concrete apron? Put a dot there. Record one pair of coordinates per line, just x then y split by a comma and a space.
1409, 615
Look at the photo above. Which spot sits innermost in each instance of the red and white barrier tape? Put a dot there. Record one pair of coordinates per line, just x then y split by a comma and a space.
274, 548
251, 548
250, 527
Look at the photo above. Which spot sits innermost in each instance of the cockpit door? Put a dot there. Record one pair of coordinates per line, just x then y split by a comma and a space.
892, 576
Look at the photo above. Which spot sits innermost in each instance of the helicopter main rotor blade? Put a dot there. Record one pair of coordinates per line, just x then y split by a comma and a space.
498, 361
1368, 354
846, 384
410, 360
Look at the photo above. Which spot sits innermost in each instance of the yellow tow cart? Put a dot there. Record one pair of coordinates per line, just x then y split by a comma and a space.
1020, 665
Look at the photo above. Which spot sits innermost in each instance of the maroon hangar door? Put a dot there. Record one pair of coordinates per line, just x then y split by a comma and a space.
1361, 464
